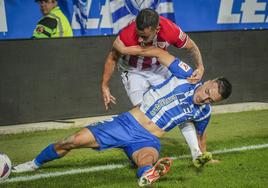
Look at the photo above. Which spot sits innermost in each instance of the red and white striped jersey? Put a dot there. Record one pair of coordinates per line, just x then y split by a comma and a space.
169, 34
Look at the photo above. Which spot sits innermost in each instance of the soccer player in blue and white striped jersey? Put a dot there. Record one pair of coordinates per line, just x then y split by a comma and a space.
175, 102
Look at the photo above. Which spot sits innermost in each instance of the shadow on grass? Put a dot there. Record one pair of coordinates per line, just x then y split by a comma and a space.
172, 147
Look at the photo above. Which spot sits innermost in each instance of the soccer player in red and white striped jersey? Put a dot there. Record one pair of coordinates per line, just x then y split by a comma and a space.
149, 29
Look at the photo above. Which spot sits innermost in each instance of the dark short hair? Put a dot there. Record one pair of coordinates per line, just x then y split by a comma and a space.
147, 18
224, 86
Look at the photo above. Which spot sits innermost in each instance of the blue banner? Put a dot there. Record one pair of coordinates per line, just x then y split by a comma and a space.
211, 15
18, 18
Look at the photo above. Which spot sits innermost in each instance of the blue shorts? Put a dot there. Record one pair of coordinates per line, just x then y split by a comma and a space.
123, 132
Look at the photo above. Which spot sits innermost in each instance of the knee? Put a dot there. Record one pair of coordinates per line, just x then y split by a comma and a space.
69, 143
145, 157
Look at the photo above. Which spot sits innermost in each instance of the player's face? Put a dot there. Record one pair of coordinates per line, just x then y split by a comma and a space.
207, 93
147, 35
46, 6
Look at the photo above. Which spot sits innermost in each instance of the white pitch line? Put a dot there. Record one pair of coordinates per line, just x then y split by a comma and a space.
115, 166
244, 148
62, 173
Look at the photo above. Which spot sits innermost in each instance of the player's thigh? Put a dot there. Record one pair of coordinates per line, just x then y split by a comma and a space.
85, 138
158, 75
135, 86
81, 139
145, 156
155, 78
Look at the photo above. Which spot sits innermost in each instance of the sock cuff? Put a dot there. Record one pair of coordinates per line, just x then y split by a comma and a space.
143, 169
53, 151
48, 154
37, 163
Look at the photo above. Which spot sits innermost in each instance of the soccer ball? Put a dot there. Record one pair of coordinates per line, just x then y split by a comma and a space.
5, 166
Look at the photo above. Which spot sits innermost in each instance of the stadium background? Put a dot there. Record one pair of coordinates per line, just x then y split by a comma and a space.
44, 80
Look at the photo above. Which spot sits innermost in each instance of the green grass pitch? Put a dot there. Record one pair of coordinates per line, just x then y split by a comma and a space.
236, 169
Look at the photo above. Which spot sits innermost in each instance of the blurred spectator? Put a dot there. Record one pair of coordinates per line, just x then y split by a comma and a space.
54, 23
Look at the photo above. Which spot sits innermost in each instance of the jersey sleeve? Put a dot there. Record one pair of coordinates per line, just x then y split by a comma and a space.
180, 69
128, 35
201, 126
172, 33
45, 28
202, 118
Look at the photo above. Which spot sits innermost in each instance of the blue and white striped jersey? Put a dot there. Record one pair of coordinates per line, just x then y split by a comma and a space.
171, 103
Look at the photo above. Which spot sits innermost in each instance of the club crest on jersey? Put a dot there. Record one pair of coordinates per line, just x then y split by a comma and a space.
134, 6
161, 44
181, 97
182, 35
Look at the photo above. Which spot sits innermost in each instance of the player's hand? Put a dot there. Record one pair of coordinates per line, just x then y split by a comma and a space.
214, 161
108, 99
196, 76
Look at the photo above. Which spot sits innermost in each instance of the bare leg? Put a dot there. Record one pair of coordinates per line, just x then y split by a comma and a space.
147, 173
82, 139
145, 156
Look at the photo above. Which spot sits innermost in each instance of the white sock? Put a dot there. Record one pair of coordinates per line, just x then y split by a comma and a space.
189, 133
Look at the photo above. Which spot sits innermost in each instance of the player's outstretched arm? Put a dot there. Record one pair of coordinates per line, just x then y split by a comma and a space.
109, 67
202, 141
163, 56
203, 146
176, 67
194, 55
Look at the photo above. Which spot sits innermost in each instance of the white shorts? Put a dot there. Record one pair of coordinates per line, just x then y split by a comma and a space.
136, 82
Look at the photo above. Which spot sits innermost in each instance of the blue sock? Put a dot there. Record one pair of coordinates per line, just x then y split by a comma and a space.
143, 169
48, 154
